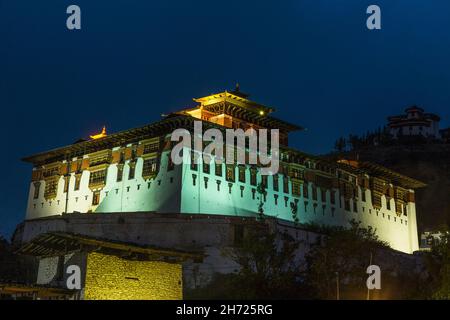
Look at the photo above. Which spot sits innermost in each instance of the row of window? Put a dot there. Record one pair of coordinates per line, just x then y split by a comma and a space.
151, 147
150, 167
230, 175
347, 207
96, 194
297, 188
106, 157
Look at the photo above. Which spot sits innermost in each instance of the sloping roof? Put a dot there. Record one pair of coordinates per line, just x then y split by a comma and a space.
38, 291
380, 171
233, 97
112, 140
60, 243
232, 103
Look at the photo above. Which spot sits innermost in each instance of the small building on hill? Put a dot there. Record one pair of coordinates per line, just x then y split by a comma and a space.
415, 122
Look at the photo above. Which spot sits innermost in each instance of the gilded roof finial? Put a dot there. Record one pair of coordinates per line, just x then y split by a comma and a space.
99, 135
237, 91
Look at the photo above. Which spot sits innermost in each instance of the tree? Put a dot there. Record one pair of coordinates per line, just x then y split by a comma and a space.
8, 261
294, 211
261, 193
268, 269
354, 141
341, 260
15, 267
439, 264
340, 144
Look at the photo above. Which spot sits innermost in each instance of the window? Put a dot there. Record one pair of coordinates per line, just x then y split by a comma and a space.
230, 173
242, 174
151, 147
51, 172
170, 164
376, 200
133, 153
131, 172
253, 177
285, 184
97, 177
355, 206
37, 187
51, 188
314, 192
79, 165
363, 195
122, 158
333, 196
323, 195
305, 191
96, 198
150, 167
264, 181
100, 159
206, 167
388, 203
66, 183
119, 173
218, 169
296, 189
297, 173
247, 139
275, 182
347, 204
77, 182
194, 166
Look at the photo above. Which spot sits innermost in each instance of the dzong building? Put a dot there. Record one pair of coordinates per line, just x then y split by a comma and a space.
122, 193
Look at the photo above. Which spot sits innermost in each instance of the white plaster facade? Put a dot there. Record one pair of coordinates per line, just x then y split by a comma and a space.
174, 191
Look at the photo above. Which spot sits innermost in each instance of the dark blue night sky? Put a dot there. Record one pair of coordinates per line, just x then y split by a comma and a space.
313, 60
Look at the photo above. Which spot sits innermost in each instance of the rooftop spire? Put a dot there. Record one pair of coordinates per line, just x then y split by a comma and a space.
237, 91
99, 135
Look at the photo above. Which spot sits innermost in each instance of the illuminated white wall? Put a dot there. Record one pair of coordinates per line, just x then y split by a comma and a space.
399, 232
174, 191
160, 194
